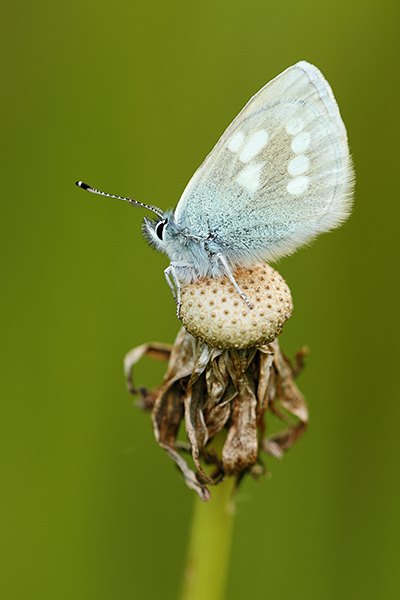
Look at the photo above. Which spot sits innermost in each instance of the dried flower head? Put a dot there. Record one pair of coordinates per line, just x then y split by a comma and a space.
225, 372
213, 312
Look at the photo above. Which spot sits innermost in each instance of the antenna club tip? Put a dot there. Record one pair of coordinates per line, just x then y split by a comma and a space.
89, 188
80, 184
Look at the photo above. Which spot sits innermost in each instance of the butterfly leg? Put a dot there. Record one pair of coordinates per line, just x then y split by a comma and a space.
174, 285
228, 271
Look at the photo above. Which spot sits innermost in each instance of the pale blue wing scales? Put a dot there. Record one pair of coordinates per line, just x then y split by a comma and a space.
279, 175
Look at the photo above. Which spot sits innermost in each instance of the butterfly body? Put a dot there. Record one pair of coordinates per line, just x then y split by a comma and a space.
279, 175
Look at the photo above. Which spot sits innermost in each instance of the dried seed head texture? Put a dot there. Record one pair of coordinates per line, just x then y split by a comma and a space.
213, 312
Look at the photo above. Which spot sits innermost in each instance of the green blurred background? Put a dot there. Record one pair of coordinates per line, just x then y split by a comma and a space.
130, 97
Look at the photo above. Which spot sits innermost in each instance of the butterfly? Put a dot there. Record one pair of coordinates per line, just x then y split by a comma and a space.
280, 174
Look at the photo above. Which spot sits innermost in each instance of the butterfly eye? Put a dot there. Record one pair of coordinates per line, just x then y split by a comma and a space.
160, 228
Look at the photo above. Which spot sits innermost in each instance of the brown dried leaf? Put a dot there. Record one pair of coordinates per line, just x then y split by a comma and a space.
212, 389
283, 388
240, 450
153, 349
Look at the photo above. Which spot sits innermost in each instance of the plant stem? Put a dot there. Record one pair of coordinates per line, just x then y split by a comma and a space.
210, 542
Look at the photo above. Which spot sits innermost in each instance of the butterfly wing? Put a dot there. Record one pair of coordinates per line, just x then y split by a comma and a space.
280, 174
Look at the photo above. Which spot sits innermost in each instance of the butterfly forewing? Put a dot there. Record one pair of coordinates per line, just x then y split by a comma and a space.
279, 175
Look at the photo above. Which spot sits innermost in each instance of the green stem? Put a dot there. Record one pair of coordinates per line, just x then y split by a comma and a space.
210, 542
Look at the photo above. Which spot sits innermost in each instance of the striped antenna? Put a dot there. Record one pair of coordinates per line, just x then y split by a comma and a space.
92, 190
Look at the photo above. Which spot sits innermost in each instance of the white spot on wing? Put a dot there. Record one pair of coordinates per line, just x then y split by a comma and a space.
301, 142
253, 146
236, 141
298, 165
249, 177
295, 125
298, 185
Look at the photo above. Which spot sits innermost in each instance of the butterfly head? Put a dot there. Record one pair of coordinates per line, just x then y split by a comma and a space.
158, 231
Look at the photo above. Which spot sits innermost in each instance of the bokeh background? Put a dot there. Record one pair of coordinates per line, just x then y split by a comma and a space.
130, 97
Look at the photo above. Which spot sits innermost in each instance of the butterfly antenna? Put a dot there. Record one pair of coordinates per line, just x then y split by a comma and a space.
92, 190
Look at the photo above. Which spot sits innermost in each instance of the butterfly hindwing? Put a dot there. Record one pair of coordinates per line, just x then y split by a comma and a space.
278, 176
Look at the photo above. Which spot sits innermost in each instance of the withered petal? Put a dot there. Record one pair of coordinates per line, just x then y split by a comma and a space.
212, 389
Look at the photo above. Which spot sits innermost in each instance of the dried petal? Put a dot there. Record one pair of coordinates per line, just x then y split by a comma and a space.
213, 389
